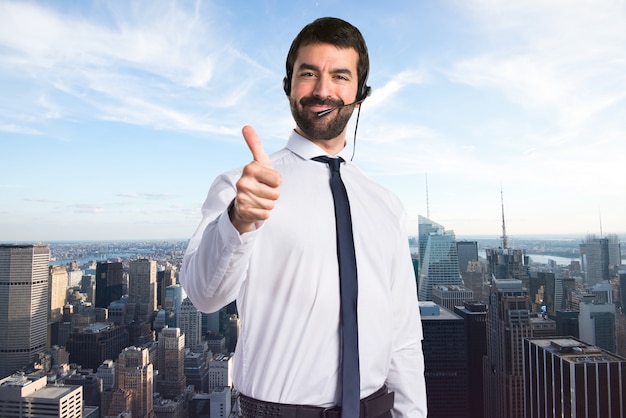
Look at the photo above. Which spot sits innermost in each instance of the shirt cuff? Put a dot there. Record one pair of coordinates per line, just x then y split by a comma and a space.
230, 233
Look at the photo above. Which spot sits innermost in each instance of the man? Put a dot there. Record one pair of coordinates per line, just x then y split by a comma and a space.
268, 240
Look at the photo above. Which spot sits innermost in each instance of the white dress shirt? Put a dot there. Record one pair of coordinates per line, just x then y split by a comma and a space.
284, 276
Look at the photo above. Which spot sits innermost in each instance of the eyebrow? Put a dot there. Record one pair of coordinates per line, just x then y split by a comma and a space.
305, 66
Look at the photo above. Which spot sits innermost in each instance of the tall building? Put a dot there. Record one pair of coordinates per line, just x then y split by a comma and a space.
220, 371
425, 228
450, 296
467, 252
615, 252
542, 288
620, 315
234, 327
508, 323
174, 296
30, 396
88, 287
439, 262
197, 370
474, 280
565, 377
171, 379
57, 292
220, 402
91, 384
23, 304
508, 263
474, 316
106, 373
563, 288
166, 276
594, 253
92, 344
445, 355
190, 324
596, 324
134, 373
109, 283
142, 289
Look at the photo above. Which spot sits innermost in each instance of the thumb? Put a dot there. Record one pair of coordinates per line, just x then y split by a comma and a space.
256, 148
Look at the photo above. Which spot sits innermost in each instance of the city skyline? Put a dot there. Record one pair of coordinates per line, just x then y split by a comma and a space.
116, 118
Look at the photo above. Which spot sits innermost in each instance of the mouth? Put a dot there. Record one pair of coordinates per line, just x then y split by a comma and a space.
315, 105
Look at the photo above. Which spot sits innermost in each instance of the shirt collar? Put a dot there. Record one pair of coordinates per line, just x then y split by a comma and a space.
306, 149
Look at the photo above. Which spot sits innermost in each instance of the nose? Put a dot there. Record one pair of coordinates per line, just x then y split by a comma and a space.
322, 87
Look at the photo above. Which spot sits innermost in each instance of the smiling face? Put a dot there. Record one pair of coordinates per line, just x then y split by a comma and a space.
324, 76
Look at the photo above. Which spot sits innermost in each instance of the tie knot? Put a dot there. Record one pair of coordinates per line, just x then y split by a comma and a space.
333, 163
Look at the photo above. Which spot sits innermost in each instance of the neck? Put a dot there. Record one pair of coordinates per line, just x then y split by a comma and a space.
331, 146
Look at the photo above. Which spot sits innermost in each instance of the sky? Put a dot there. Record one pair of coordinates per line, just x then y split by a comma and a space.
116, 116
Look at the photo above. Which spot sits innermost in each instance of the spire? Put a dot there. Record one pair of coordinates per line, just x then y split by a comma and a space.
505, 240
600, 214
427, 205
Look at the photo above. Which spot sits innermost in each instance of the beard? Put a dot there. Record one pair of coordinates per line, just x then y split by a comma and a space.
326, 127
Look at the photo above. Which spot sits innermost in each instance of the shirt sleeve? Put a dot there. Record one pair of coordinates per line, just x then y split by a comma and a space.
406, 372
216, 261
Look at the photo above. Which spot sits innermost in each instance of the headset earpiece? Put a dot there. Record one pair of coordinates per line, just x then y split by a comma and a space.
365, 92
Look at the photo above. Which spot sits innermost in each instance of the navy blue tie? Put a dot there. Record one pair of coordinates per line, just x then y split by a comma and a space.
348, 287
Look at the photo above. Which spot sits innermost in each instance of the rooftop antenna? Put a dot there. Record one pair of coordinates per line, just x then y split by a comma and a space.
505, 240
600, 214
427, 205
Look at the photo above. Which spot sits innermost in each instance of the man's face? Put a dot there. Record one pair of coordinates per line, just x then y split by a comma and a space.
324, 77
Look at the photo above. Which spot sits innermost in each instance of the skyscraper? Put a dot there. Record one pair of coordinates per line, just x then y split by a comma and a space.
508, 263
467, 252
92, 344
542, 287
190, 324
134, 373
197, 370
565, 377
165, 277
508, 323
474, 316
596, 324
445, 361
142, 288
439, 264
23, 304
563, 288
615, 251
173, 300
171, 379
220, 371
450, 296
109, 277
425, 228
57, 292
30, 396
594, 253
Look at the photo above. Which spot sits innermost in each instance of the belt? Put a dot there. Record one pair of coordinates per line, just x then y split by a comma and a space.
375, 405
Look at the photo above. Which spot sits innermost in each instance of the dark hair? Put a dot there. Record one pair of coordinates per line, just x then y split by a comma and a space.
334, 31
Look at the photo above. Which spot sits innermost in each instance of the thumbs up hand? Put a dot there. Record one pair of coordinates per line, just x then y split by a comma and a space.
257, 189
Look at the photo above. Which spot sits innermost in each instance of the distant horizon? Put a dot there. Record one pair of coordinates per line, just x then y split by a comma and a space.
546, 237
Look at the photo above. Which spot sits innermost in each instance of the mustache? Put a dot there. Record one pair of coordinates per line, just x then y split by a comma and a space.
312, 100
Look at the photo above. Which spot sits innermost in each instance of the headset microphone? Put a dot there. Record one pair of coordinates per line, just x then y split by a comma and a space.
332, 109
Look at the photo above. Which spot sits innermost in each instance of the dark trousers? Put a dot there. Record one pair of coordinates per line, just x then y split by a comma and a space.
377, 405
